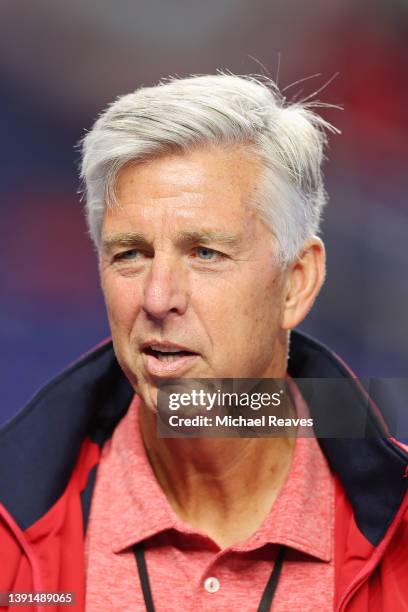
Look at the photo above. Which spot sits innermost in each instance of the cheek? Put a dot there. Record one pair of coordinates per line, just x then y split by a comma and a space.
216, 303
122, 302
258, 314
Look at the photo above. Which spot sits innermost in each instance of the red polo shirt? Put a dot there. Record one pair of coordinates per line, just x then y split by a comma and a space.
187, 570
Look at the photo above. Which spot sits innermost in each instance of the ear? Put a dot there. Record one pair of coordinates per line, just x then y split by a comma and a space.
304, 280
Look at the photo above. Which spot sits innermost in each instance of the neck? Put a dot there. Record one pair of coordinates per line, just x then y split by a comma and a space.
223, 487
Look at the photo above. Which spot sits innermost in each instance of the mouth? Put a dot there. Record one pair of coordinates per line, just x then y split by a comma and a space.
167, 359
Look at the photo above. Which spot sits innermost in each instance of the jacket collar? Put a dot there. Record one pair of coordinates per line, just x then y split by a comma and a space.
40, 445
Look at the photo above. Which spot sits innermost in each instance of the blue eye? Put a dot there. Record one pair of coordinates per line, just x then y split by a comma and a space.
126, 255
206, 253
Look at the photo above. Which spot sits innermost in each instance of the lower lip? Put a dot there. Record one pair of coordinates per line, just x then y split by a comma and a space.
178, 366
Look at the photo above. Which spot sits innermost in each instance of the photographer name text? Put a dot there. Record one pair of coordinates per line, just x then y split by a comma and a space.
238, 421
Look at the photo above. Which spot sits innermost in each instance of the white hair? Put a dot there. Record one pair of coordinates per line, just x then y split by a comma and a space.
222, 109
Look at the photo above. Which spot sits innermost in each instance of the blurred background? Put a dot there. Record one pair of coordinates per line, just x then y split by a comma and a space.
61, 63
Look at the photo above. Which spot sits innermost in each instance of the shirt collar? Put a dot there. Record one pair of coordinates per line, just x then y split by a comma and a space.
139, 502
302, 516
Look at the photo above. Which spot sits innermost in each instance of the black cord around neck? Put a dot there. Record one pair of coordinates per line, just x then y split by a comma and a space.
267, 597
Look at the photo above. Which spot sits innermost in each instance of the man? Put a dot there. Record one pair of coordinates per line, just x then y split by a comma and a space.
203, 198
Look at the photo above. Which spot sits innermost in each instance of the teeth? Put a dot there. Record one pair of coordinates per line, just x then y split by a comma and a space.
167, 357
162, 349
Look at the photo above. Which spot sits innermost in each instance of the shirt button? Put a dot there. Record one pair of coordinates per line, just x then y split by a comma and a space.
211, 584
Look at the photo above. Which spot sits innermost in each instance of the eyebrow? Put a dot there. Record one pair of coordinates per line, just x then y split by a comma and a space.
207, 236
124, 239
183, 239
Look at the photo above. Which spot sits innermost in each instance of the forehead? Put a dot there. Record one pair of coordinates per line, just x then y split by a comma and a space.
211, 186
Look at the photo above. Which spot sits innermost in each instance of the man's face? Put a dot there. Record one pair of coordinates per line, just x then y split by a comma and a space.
189, 272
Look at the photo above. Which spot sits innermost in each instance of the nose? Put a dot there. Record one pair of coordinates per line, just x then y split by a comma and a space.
166, 290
